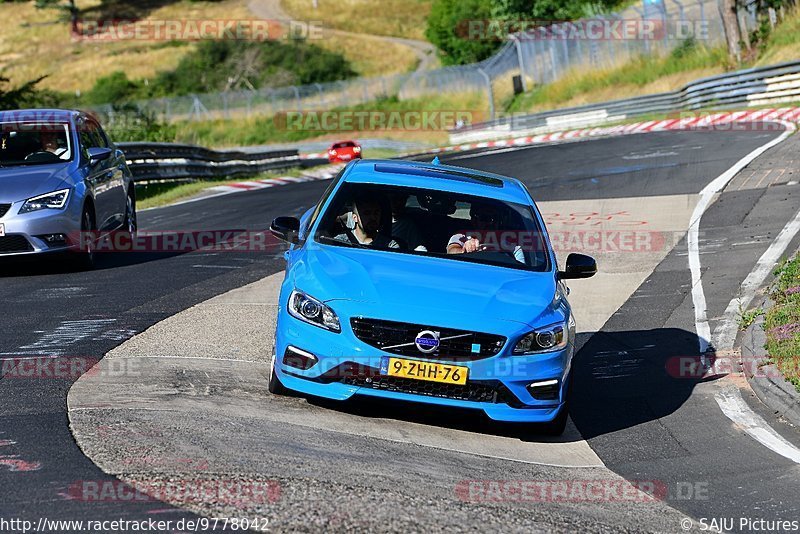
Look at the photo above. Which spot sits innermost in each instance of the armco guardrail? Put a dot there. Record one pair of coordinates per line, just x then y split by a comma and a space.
750, 87
163, 162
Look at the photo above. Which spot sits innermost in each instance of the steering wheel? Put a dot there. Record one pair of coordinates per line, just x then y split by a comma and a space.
42, 156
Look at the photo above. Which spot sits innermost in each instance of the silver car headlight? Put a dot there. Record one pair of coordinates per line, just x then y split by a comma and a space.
308, 309
54, 201
545, 339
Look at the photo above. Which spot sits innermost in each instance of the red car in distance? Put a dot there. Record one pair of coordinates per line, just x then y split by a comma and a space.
344, 151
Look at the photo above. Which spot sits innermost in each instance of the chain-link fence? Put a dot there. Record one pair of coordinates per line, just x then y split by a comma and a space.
540, 55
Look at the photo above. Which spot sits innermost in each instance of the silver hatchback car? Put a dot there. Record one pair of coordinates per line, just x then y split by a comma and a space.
61, 180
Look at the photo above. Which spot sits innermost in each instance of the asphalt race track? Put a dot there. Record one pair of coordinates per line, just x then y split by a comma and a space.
640, 422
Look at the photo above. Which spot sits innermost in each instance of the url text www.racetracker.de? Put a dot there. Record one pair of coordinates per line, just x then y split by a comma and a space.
201, 524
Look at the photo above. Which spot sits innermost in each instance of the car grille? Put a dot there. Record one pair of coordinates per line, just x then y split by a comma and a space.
4, 209
14, 243
472, 391
382, 334
353, 374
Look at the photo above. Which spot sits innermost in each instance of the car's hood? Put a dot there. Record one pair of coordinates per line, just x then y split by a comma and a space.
422, 289
23, 182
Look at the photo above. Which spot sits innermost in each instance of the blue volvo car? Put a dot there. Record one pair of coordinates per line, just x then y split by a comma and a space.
427, 283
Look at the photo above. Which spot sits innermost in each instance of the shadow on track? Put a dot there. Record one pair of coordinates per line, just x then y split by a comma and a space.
66, 263
620, 380
626, 378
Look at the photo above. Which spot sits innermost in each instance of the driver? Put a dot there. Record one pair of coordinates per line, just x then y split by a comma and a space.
363, 225
49, 142
485, 218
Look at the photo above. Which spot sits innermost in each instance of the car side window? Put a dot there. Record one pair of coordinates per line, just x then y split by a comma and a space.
85, 138
96, 134
324, 199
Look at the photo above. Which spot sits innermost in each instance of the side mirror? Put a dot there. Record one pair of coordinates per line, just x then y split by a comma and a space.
286, 229
578, 266
97, 154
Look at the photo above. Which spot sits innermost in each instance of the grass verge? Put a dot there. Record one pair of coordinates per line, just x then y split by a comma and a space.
35, 42
782, 321
394, 18
642, 75
258, 130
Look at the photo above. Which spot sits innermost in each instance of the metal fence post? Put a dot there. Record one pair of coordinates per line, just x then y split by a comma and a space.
643, 15
297, 97
553, 61
522, 70
321, 94
537, 74
490, 92
564, 47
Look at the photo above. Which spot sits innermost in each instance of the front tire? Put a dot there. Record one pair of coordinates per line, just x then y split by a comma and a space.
557, 426
275, 386
86, 254
131, 221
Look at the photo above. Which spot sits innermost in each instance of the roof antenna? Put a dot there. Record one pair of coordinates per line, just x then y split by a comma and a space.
435, 161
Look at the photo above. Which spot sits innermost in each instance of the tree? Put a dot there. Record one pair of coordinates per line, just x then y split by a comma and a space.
449, 29
67, 7
20, 97
730, 22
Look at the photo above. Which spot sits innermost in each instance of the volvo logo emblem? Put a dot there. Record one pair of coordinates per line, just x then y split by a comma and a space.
427, 341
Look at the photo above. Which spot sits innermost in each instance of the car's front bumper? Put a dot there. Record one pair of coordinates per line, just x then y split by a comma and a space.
343, 358
24, 233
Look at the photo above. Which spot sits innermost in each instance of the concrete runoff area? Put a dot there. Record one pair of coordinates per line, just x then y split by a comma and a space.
194, 386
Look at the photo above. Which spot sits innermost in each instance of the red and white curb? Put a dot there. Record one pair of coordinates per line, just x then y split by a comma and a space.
717, 121
322, 173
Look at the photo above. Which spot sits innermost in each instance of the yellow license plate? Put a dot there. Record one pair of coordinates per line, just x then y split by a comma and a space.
432, 372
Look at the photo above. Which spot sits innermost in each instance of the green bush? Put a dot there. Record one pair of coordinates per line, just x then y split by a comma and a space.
116, 87
229, 65
126, 122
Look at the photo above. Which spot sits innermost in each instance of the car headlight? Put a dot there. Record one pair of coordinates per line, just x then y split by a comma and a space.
54, 201
548, 338
310, 310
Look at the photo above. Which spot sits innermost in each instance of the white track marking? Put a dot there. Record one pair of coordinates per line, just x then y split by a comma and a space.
725, 333
729, 398
706, 196
733, 405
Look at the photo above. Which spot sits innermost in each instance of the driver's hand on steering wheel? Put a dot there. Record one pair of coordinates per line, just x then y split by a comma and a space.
472, 245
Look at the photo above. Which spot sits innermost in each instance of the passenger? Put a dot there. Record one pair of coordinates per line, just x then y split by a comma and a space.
485, 218
403, 227
363, 225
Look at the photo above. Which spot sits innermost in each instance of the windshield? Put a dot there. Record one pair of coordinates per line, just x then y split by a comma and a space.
34, 143
434, 223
